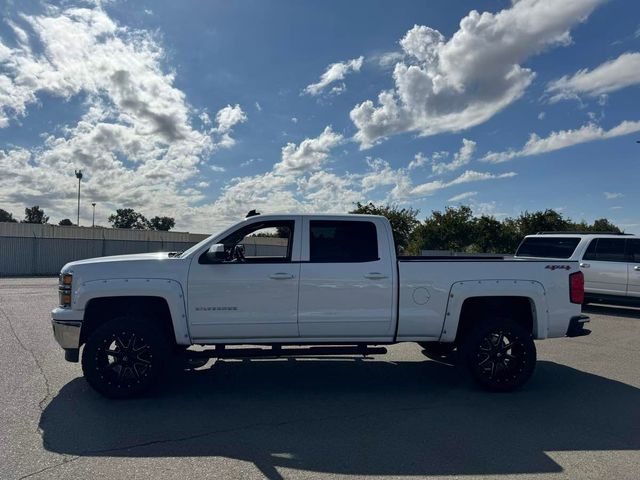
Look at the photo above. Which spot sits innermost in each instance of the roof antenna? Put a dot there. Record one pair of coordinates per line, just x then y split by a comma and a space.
252, 213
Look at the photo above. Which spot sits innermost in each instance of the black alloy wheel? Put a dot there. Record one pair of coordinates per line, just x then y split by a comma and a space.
500, 355
124, 357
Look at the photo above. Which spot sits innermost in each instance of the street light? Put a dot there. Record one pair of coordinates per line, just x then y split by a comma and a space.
93, 221
79, 177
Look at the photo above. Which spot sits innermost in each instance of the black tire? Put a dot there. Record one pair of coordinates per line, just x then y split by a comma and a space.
499, 354
437, 350
125, 357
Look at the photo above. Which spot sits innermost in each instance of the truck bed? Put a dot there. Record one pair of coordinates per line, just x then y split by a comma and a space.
432, 291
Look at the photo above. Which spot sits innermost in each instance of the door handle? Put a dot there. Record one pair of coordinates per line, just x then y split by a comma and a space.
584, 265
280, 276
637, 268
375, 276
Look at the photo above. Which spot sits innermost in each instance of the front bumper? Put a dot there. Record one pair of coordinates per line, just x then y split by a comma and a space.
66, 330
576, 326
67, 333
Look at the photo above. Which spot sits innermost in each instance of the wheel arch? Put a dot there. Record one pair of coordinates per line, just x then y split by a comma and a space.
102, 309
159, 299
521, 300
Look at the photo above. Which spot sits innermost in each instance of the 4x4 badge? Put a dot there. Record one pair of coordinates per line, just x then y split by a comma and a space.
558, 267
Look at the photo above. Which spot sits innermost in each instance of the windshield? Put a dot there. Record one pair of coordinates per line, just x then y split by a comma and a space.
548, 247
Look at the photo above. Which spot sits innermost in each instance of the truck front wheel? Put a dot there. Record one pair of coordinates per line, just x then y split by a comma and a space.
499, 354
125, 357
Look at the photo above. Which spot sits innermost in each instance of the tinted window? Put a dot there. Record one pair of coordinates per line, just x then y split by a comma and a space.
590, 254
550, 247
610, 250
342, 241
633, 249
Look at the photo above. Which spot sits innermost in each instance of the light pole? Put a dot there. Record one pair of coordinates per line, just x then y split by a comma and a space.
79, 177
93, 221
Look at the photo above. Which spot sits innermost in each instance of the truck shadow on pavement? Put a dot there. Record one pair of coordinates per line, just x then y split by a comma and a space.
352, 417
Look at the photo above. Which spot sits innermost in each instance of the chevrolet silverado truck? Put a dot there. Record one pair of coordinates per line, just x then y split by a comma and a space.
309, 285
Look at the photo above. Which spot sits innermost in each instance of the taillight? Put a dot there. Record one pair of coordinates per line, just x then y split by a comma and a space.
576, 287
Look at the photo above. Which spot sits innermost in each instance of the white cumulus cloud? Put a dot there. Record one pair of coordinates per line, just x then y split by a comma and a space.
135, 141
612, 195
310, 154
468, 176
336, 72
608, 77
462, 196
460, 158
452, 84
537, 145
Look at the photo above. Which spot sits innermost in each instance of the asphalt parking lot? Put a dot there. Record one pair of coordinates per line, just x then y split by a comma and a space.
392, 416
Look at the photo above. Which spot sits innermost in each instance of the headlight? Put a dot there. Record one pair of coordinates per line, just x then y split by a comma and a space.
64, 289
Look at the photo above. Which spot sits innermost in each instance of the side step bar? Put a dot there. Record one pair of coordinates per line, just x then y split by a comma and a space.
278, 351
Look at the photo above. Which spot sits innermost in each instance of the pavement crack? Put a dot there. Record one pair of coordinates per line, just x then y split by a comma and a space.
51, 467
256, 425
43, 401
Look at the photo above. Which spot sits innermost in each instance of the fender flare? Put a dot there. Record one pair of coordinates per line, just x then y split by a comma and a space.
169, 290
461, 291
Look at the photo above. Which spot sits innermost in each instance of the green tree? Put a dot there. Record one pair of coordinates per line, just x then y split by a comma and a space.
604, 225
458, 230
65, 223
162, 223
403, 220
35, 215
128, 218
489, 236
6, 216
542, 221
452, 229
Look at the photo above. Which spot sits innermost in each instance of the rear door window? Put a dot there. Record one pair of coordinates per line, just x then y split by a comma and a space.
633, 250
606, 250
342, 241
548, 247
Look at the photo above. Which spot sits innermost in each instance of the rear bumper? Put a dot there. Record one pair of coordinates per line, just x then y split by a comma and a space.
576, 326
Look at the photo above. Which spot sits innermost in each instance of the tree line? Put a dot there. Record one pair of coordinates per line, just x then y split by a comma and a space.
457, 229
123, 218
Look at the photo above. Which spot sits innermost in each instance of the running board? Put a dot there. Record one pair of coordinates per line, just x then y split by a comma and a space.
277, 351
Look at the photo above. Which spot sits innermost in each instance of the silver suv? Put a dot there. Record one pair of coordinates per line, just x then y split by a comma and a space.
610, 262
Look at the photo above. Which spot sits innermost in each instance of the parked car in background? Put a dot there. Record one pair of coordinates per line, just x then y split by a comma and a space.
610, 262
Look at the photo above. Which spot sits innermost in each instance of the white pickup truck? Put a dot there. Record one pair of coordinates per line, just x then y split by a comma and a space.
296, 285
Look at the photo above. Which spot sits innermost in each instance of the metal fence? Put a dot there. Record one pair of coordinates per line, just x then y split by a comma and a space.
28, 249
33, 249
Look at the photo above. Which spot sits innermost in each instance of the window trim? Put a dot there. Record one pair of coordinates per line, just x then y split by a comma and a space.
252, 227
329, 220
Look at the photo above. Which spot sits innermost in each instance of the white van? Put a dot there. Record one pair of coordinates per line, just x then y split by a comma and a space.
610, 262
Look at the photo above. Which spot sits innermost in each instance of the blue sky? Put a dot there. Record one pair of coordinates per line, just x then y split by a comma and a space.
205, 110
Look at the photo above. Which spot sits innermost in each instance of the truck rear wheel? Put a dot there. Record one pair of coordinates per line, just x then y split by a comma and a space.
499, 354
125, 357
